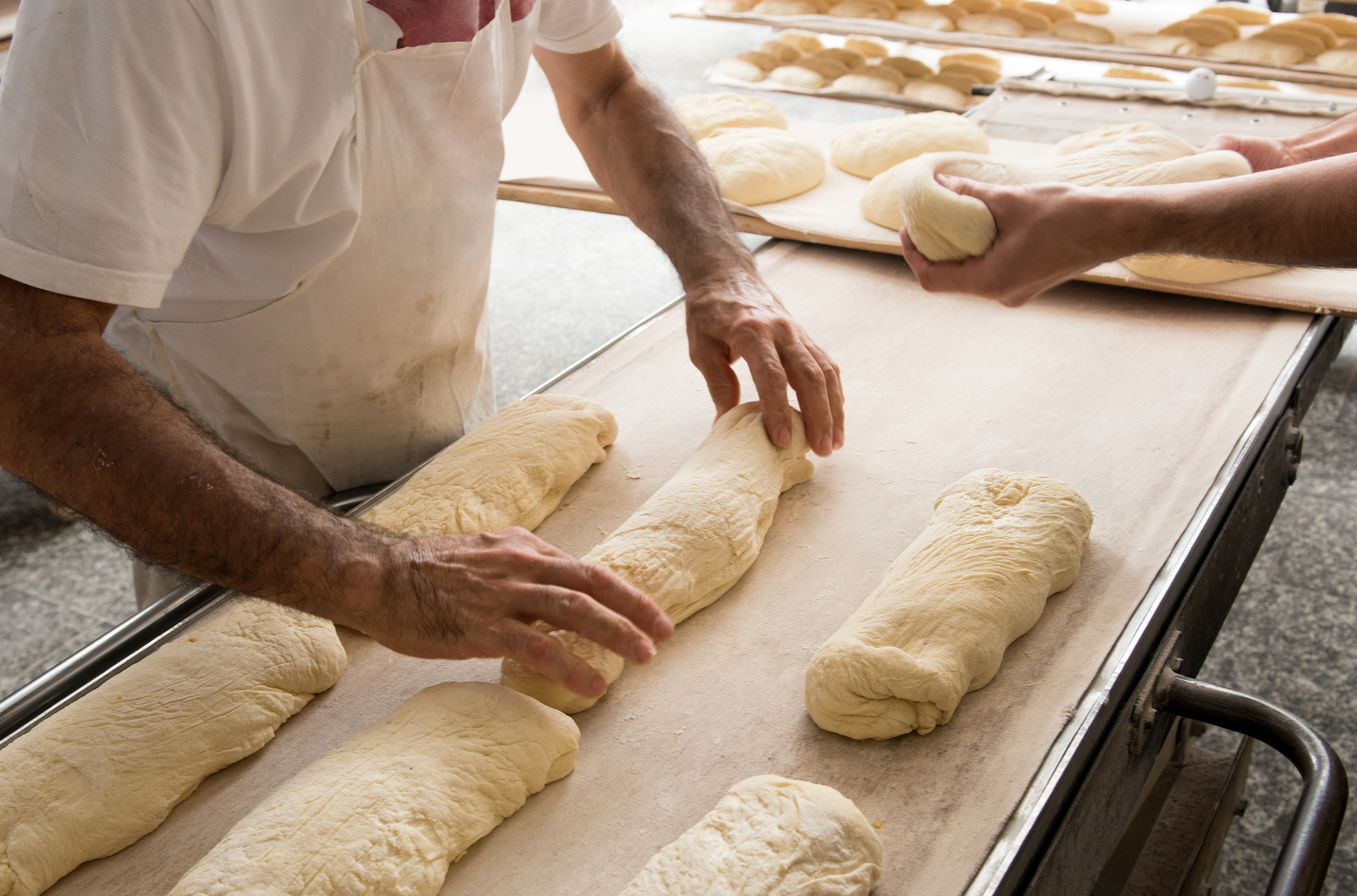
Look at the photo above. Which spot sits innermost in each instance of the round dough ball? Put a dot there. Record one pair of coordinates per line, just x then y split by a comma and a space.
1087, 32
1342, 61
742, 69
992, 23
1029, 20
1337, 22
1243, 13
1204, 32
781, 50
870, 147
867, 82
975, 57
757, 165
979, 74
850, 58
869, 47
1089, 7
927, 17
795, 75
1257, 50
1164, 44
803, 40
1308, 43
863, 9
704, 113
936, 93
908, 66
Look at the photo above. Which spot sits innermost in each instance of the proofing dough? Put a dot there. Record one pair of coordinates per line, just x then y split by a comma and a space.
769, 836
1194, 269
704, 113
692, 540
937, 626
512, 470
387, 811
106, 770
946, 226
870, 147
757, 165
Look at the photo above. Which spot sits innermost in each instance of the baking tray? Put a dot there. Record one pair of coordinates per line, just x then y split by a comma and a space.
1142, 406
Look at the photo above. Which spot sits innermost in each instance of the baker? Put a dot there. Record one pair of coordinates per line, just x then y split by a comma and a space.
1299, 207
245, 251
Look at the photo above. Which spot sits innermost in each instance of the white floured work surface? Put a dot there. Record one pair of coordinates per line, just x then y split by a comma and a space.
1135, 400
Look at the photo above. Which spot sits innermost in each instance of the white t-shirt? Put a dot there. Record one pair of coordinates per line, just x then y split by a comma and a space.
197, 159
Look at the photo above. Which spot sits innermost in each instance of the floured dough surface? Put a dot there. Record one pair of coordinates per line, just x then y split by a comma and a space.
693, 539
753, 166
704, 113
868, 148
936, 627
106, 770
1194, 269
769, 836
386, 812
512, 470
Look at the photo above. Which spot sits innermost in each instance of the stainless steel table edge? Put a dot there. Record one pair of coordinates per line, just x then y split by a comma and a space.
145, 631
1004, 869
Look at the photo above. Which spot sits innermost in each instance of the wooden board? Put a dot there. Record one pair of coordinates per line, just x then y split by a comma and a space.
1135, 399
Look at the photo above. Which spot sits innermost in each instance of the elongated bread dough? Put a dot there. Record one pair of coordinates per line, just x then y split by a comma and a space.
512, 470
769, 836
753, 166
692, 540
937, 626
868, 148
106, 770
387, 811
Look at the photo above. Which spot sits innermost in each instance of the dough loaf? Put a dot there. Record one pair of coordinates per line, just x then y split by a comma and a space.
704, 113
106, 770
868, 148
692, 540
512, 470
757, 165
1193, 268
769, 836
387, 811
975, 579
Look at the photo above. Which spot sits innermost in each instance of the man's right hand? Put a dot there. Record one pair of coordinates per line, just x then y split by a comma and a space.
457, 597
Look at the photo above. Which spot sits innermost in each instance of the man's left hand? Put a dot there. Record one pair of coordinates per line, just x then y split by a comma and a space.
736, 316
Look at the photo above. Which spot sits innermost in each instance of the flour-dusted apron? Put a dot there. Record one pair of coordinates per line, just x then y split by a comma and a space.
382, 357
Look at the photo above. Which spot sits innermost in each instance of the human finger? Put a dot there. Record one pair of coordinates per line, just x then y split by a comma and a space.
547, 656
601, 589
814, 379
770, 381
715, 366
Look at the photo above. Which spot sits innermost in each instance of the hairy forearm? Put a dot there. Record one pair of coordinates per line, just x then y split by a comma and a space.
641, 156
79, 423
1299, 215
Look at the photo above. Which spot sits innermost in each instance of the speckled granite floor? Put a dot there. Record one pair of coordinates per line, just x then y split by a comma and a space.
565, 282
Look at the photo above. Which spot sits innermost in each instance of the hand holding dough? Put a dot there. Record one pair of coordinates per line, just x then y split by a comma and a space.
937, 626
692, 540
387, 811
106, 770
769, 836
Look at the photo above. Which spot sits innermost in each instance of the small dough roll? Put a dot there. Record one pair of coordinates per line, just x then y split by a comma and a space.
705, 113
992, 23
868, 148
692, 540
1259, 51
769, 836
929, 17
389, 810
106, 770
1243, 13
512, 470
937, 626
1343, 61
757, 165
1089, 33
1164, 44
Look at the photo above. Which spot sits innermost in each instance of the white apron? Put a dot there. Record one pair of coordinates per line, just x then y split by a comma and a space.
382, 357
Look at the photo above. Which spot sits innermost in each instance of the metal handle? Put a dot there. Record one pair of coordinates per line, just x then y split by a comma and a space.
1304, 860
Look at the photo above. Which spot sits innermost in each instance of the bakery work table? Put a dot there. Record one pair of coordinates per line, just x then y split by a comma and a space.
1172, 416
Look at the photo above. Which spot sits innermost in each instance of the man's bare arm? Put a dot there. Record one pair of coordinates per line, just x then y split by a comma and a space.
640, 155
78, 422
1301, 214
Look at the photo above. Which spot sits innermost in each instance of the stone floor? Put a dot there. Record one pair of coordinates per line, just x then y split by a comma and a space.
565, 282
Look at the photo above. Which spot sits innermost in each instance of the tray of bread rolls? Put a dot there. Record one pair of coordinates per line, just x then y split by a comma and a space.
1231, 38
335, 766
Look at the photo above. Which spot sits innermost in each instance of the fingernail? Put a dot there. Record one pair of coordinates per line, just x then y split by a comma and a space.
784, 437
597, 686
645, 650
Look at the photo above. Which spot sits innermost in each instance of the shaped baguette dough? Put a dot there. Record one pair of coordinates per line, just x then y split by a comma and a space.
106, 770
868, 148
757, 165
937, 626
512, 470
1194, 269
387, 811
692, 540
769, 836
